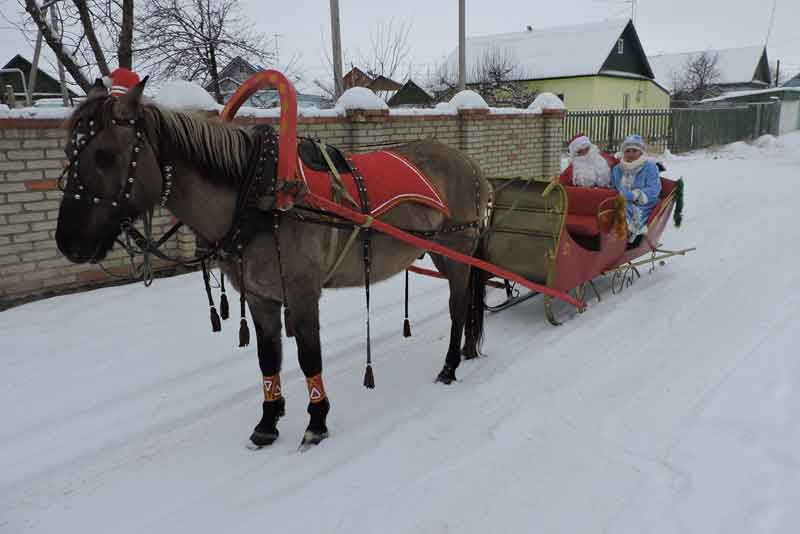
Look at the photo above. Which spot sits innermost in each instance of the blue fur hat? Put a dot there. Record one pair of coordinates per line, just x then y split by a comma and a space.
634, 141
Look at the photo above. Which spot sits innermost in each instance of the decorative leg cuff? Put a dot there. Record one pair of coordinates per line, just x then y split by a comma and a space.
272, 388
316, 390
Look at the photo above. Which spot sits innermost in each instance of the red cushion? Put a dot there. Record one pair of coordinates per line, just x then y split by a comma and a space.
583, 225
586, 200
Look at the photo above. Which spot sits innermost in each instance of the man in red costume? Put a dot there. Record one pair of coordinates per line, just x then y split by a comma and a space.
588, 166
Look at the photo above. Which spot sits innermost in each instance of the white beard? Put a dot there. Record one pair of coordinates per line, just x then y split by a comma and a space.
591, 170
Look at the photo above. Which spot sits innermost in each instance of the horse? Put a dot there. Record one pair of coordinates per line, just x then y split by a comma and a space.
125, 156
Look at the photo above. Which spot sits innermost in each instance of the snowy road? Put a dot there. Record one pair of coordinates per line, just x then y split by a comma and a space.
673, 407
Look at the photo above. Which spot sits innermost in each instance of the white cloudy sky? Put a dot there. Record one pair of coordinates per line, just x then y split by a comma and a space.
664, 25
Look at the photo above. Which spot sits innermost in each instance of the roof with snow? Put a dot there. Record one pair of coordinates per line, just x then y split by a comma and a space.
736, 66
562, 52
793, 82
781, 93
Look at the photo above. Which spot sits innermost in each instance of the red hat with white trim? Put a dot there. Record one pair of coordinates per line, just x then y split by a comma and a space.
120, 81
578, 142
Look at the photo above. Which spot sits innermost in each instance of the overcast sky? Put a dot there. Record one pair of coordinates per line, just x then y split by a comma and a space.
664, 26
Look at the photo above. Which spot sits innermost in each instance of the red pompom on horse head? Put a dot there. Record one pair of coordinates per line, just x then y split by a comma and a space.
120, 81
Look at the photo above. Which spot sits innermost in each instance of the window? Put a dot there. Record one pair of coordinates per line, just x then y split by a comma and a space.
626, 101
621, 46
241, 68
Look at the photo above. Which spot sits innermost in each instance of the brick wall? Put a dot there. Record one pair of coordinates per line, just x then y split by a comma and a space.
31, 158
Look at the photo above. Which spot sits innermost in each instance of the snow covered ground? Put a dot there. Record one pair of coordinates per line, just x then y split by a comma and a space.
672, 407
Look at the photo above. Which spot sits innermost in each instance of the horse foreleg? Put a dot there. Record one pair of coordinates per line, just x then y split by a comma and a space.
267, 321
306, 333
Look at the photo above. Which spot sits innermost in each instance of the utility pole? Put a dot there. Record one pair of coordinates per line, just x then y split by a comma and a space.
462, 44
336, 38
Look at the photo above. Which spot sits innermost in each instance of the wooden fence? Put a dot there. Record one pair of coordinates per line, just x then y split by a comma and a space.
678, 130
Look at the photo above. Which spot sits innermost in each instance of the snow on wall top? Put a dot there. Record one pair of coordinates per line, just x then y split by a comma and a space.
736, 65
360, 98
562, 51
546, 101
467, 99
183, 95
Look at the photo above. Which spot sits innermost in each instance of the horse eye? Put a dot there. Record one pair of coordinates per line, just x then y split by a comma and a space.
104, 158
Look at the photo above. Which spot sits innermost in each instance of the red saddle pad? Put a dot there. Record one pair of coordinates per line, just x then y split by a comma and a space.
390, 180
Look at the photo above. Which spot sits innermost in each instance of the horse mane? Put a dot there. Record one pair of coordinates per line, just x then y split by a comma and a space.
220, 148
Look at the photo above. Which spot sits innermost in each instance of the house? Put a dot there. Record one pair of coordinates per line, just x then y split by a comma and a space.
785, 99
46, 85
356, 78
411, 94
792, 82
381, 85
740, 69
593, 66
233, 75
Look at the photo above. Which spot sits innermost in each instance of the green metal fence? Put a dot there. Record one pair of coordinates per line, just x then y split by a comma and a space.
678, 130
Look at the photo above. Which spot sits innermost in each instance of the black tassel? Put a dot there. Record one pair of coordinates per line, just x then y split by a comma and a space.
244, 333
223, 299
216, 326
224, 312
406, 323
287, 321
369, 378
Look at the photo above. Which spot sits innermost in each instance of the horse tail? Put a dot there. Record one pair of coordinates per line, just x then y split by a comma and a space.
476, 306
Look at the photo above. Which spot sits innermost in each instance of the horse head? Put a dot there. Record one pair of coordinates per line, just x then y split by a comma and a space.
112, 175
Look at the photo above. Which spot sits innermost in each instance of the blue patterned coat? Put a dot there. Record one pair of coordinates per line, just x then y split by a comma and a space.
641, 190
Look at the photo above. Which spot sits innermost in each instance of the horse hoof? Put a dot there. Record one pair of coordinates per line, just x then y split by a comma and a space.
447, 375
311, 438
261, 439
470, 354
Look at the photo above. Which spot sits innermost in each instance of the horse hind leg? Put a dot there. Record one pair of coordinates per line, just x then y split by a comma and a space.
464, 309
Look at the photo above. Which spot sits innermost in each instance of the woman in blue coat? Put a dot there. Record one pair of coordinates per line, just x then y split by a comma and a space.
637, 179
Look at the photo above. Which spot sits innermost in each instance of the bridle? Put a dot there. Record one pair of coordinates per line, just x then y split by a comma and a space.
74, 190
72, 187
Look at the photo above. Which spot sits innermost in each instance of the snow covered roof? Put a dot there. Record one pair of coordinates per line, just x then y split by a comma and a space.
559, 52
793, 82
736, 65
738, 94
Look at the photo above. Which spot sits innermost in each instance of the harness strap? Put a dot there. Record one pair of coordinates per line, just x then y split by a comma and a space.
336, 180
350, 240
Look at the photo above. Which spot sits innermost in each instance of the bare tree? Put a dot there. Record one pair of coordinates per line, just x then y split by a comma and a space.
698, 78
389, 50
85, 34
192, 39
389, 55
499, 78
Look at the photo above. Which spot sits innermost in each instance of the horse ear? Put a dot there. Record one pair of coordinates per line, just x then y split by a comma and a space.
98, 89
134, 96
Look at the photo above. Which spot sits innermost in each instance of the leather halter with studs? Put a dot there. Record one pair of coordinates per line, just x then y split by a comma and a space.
70, 183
